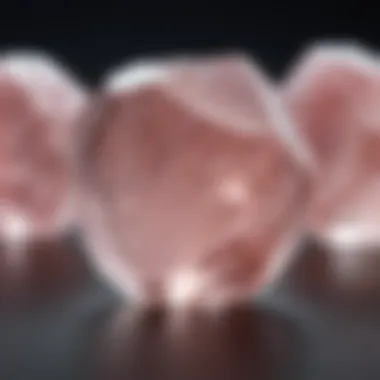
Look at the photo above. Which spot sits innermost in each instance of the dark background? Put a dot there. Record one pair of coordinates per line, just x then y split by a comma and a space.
92, 37
47, 341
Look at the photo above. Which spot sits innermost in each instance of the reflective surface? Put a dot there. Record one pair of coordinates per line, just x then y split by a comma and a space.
285, 334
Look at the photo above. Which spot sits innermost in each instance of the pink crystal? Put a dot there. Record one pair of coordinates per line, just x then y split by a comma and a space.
40, 103
39, 106
194, 178
334, 95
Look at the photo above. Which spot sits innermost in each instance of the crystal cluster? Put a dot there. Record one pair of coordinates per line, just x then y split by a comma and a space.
195, 180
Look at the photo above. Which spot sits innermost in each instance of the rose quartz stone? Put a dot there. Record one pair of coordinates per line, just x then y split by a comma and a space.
194, 180
334, 95
40, 103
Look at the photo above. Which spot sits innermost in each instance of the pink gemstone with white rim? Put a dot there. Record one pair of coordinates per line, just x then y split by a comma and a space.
40, 103
334, 96
194, 180
40, 106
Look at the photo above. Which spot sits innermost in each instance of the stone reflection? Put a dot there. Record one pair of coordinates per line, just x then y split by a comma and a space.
50, 268
242, 343
321, 274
